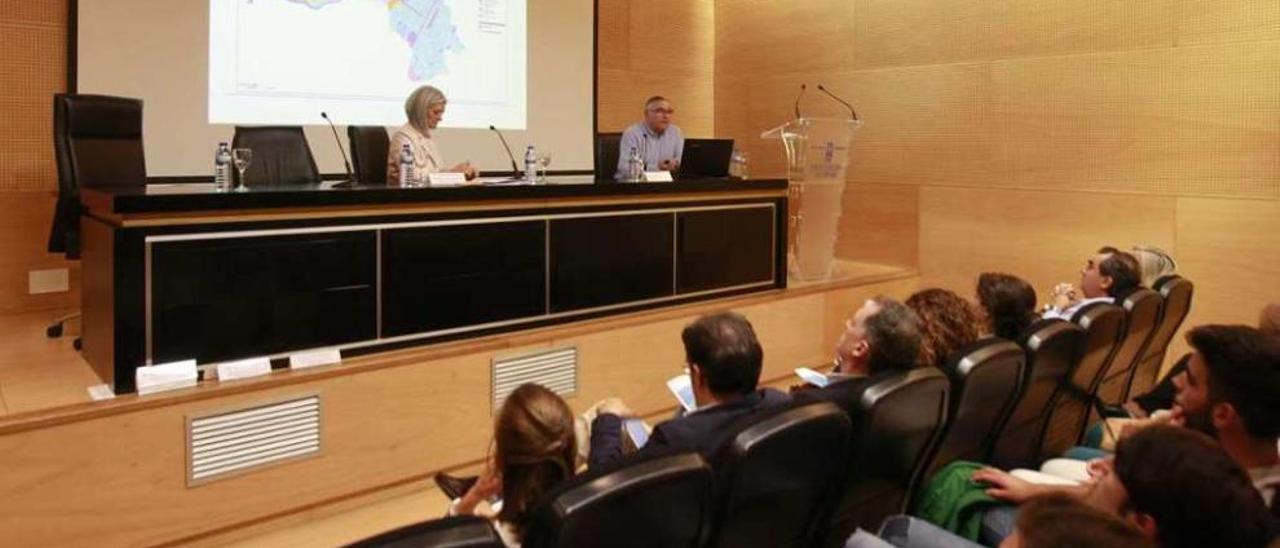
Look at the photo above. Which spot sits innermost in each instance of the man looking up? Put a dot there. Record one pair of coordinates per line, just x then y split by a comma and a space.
659, 142
1108, 276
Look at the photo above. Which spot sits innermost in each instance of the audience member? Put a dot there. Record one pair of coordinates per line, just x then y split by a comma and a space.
534, 451
948, 323
1062, 521
882, 338
1108, 276
1175, 485
1154, 263
1009, 303
724, 360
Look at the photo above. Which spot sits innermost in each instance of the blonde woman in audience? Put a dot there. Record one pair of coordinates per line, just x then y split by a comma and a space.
1154, 263
535, 450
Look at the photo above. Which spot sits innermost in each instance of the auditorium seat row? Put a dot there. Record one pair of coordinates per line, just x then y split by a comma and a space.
804, 474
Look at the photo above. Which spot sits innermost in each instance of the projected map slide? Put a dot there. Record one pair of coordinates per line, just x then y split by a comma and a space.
284, 61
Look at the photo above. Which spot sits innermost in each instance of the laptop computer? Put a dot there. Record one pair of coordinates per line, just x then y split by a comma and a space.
705, 158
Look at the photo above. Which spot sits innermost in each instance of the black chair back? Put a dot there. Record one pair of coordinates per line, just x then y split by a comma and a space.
281, 156
1052, 347
779, 473
97, 142
607, 155
899, 420
369, 148
641, 500
1176, 292
452, 532
1142, 315
1103, 325
985, 378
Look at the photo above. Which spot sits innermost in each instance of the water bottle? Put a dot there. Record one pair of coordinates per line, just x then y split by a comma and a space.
738, 164
406, 166
222, 167
635, 166
530, 164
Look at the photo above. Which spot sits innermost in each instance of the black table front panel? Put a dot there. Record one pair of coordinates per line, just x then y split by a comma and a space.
227, 298
601, 261
724, 248
442, 277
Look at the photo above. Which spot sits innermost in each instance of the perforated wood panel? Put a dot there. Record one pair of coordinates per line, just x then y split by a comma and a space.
33, 39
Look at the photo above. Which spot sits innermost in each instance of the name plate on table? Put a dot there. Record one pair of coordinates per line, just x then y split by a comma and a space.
315, 358
243, 369
658, 177
446, 179
166, 376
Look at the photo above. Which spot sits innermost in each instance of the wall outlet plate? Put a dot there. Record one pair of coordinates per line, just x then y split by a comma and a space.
54, 280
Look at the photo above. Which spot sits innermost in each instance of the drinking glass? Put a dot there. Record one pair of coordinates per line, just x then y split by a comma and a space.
544, 160
242, 157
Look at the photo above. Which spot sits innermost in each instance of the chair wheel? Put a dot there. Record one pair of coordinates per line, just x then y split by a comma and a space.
54, 331
77, 344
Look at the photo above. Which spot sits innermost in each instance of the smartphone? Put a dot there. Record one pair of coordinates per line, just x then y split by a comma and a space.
637, 431
682, 388
812, 377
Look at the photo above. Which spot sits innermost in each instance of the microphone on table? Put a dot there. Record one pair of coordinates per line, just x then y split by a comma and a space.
852, 113
351, 178
797, 105
515, 169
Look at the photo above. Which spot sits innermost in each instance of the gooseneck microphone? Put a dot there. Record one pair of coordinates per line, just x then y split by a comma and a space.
852, 113
515, 169
350, 176
797, 105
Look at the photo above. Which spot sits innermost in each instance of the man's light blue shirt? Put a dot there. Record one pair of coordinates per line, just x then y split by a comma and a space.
653, 148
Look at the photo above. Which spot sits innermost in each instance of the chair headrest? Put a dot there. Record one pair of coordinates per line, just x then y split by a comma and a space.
100, 116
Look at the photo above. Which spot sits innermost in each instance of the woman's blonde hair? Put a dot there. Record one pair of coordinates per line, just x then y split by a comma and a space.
419, 102
1154, 263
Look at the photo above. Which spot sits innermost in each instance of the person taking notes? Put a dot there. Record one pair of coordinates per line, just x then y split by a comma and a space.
659, 142
424, 108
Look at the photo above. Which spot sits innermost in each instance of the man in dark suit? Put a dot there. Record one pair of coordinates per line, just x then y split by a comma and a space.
724, 360
882, 338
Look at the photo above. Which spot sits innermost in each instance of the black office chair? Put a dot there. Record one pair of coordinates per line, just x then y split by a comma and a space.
641, 500
779, 473
1103, 325
607, 155
281, 156
900, 420
1142, 315
97, 142
369, 148
1176, 293
1053, 348
985, 379
451, 532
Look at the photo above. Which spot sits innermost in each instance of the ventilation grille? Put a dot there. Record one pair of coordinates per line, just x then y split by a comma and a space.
557, 370
233, 443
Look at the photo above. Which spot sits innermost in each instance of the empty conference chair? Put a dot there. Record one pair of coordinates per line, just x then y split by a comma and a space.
1103, 325
281, 156
1142, 315
97, 142
452, 532
900, 419
779, 472
369, 148
607, 155
1176, 292
641, 500
985, 378
1052, 347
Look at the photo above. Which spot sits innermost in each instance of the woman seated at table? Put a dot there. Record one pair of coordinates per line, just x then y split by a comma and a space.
425, 109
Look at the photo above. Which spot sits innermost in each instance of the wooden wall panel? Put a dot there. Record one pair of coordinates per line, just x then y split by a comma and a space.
656, 47
33, 38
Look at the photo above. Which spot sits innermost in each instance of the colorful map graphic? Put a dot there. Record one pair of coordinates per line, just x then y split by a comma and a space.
426, 25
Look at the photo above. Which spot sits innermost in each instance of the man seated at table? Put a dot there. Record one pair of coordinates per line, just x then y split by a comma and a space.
724, 361
659, 142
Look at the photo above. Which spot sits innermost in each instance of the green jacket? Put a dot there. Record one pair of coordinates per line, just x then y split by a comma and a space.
953, 501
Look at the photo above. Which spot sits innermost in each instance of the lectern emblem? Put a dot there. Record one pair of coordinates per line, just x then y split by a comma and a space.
829, 152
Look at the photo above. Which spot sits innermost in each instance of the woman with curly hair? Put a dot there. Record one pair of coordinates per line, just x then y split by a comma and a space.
948, 323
